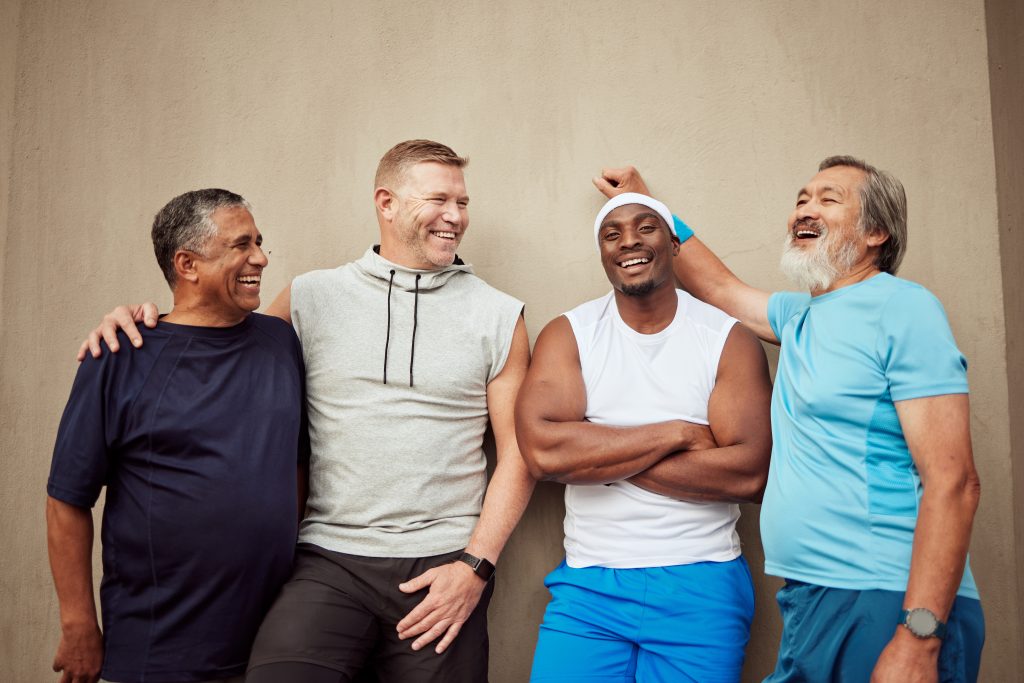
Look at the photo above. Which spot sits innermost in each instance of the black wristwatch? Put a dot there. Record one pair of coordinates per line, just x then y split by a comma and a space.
480, 566
922, 623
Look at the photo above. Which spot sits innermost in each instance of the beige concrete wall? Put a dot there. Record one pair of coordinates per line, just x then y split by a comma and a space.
1005, 21
726, 106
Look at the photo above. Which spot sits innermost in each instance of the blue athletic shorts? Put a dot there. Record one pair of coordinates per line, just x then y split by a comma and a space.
687, 622
833, 634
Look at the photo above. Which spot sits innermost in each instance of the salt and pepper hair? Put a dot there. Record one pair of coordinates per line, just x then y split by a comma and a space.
186, 223
883, 207
397, 160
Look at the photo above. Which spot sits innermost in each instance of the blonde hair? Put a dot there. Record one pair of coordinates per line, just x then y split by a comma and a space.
397, 160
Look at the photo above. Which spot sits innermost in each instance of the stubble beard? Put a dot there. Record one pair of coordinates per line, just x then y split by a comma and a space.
639, 289
817, 268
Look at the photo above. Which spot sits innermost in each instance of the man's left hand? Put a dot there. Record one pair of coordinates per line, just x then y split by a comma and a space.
907, 659
454, 592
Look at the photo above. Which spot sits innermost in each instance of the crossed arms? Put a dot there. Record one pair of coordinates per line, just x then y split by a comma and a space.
727, 461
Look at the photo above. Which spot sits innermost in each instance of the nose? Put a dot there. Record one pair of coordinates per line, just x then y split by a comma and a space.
258, 257
453, 213
629, 239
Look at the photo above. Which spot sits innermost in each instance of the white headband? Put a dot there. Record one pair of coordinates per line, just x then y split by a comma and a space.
632, 198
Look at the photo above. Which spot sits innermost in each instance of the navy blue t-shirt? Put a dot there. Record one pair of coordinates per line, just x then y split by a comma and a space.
196, 436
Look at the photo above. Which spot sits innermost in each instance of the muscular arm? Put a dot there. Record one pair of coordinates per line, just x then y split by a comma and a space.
698, 269
454, 589
937, 430
738, 412
69, 535
558, 444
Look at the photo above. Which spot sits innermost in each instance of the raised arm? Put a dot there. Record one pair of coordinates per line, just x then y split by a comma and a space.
938, 433
558, 444
454, 589
701, 273
738, 411
69, 534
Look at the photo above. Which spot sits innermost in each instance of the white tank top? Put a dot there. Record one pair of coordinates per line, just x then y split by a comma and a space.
635, 379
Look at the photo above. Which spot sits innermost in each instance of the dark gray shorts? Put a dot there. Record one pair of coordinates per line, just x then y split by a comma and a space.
339, 612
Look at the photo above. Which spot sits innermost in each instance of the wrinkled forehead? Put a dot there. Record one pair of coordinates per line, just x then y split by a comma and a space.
845, 180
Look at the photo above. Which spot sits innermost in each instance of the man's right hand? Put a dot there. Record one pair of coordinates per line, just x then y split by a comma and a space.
121, 318
615, 181
79, 654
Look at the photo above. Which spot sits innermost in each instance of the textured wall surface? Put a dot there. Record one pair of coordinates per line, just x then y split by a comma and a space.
111, 108
1005, 20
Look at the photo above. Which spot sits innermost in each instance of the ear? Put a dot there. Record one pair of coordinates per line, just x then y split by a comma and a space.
185, 266
385, 202
877, 237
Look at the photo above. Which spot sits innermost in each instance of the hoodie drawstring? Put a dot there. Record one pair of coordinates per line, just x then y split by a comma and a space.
387, 339
415, 320
415, 311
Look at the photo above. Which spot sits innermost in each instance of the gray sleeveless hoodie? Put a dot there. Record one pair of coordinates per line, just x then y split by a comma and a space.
397, 366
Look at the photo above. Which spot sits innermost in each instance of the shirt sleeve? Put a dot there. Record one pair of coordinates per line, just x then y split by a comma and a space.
782, 306
917, 349
81, 459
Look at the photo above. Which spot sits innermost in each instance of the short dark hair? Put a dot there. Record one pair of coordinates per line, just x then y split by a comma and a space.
185, 223
883, 206
399, 158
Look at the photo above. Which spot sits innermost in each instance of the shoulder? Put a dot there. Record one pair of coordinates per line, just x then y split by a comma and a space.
902, 301
477, 288
319, 278
704, 314
590, 312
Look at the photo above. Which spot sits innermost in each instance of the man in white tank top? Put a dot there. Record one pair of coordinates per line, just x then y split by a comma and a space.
653, 408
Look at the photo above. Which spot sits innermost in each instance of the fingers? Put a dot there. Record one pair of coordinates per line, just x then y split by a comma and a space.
121, 317
150, 314
82, 351
449, 637
94, 344
408, 625
432, 634
606, 188
418, 583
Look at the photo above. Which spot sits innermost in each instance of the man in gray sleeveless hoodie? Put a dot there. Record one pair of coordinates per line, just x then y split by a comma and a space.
408, 355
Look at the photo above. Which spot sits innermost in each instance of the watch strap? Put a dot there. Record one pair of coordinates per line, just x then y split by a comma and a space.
481, 567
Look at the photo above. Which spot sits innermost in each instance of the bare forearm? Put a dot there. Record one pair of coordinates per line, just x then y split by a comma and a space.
734, 474
705, 276
580, 452
941, 541
507, 496
69, 533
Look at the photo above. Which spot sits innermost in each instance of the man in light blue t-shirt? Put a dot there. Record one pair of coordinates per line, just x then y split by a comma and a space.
872, 488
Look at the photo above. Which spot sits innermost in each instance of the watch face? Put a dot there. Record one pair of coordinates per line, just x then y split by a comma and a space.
921, 622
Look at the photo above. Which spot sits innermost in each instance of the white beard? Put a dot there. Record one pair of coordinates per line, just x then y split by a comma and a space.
818, 267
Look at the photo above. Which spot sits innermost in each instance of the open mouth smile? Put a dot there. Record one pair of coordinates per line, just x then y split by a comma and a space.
445, 235
634, 262
249, 281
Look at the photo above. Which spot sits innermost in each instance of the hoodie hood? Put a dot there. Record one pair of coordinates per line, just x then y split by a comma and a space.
393, 276
375, 266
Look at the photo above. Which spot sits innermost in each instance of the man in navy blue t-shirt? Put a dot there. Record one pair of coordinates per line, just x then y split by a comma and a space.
200, 438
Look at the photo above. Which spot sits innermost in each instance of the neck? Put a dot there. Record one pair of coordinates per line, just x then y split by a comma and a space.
389, 251
650, 313
199, 315
859, 273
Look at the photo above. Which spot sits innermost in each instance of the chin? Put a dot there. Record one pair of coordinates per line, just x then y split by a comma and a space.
638, 288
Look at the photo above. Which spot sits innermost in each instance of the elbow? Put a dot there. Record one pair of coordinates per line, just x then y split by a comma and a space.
540, 464
751, 488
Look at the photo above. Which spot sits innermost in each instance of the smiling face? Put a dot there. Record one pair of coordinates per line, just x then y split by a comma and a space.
637, 249
824, 241
424, 217
228, 273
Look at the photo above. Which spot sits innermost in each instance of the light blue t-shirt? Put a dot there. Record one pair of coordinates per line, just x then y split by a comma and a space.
842, 496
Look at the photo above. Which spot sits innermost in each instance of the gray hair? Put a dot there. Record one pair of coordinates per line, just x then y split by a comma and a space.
186, 223
883, 206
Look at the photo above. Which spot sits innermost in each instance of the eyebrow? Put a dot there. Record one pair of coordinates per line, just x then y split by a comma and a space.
614, 222
824, 188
